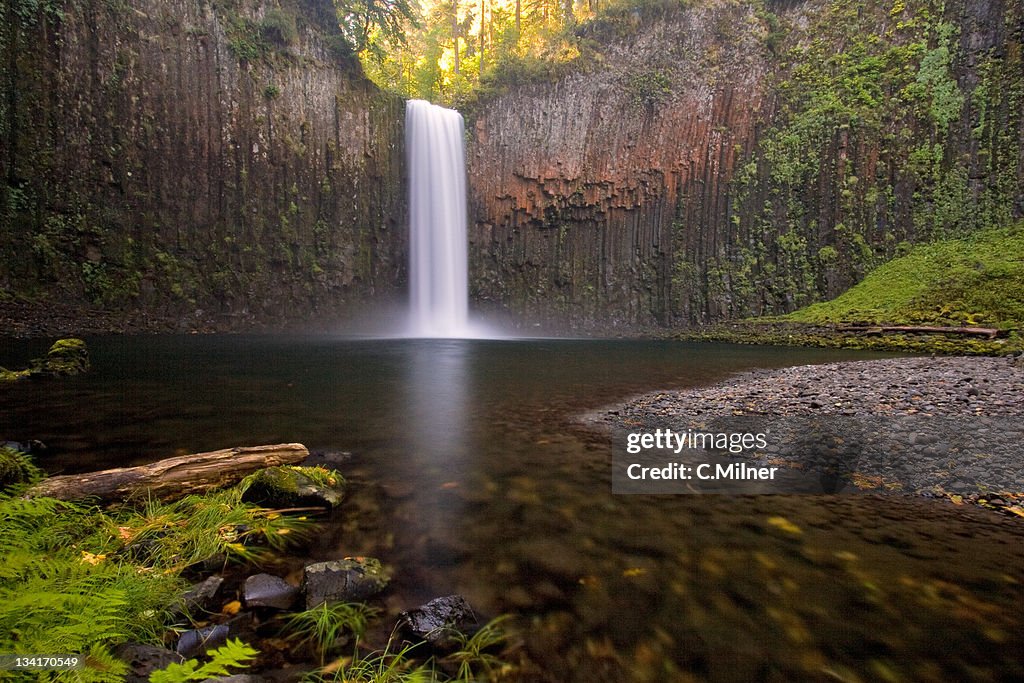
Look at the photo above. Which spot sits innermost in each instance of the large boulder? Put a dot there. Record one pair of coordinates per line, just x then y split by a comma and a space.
348, 580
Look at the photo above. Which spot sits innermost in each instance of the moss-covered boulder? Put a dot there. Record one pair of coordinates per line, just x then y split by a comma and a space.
288, 487
65, 358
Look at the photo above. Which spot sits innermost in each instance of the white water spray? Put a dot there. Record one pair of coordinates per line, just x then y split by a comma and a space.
438, 282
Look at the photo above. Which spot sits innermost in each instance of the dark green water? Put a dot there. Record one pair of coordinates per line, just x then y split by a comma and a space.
469, 476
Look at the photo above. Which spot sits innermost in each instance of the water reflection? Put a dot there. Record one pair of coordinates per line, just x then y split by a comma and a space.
435, 424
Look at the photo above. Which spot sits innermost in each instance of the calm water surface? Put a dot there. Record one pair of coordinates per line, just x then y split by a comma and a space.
469, 476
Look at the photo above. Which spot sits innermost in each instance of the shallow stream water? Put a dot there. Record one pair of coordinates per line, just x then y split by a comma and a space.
469, 474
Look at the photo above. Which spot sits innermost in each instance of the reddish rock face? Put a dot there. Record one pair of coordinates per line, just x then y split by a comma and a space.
638, 192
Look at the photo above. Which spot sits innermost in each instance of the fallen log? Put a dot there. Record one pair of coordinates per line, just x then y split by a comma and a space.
989, 332
174, 477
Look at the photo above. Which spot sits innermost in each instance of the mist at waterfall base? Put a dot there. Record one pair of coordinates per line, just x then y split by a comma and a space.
438, 259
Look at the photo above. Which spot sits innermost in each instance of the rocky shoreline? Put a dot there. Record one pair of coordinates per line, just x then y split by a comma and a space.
938, 426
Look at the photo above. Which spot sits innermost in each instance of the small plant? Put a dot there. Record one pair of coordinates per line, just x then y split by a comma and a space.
378, 667
650, 88
232, 655
279, 26
16, 468
196, 528
271, 92
321, 476
321, 626
472, 656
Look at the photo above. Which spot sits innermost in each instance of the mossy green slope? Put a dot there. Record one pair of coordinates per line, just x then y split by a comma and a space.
975, 280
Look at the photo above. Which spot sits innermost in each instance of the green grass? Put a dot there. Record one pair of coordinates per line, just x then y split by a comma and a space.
975, 280
321, 626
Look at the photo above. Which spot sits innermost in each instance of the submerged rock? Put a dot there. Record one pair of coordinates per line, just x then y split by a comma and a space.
265, 590
435, 621
201, 597
287, 487
143, 660
348, 580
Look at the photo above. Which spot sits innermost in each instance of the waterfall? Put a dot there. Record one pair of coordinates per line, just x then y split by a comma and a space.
438, 282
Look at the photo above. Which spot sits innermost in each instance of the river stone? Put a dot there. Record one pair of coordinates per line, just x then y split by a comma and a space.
264, 590
348, 580
197, 641
288, 487
435, 621
143, 660
201, 597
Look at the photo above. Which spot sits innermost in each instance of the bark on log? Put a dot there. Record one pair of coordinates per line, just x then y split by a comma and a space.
989, 332
174, 477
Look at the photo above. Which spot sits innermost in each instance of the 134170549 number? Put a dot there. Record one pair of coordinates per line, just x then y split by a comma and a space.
40, 662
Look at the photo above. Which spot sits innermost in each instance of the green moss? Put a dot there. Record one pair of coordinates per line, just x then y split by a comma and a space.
793, 334
975, 280
66, 357
290, 486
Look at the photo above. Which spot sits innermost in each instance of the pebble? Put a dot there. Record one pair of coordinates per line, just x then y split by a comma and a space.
901, 420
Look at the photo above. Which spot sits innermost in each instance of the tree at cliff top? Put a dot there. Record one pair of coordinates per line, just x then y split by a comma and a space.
367, 25
461, 48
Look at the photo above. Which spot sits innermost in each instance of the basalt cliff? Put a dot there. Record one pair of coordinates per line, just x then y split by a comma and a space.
743, 158
201, 164
194, 164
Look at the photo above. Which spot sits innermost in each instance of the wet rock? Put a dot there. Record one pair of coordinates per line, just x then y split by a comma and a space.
435, 621
265, 590
201, 597
198, 641
32, 446
348, 580
238, 678
143, 660
287, 487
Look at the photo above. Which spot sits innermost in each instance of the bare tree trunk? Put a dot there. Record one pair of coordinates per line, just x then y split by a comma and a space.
174, 477
455, 32
989, 332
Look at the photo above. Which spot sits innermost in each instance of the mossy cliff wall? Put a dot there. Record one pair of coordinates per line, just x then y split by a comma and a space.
215, 163
735, 158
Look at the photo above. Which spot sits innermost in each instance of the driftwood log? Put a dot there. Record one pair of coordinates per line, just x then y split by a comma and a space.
174, 477
989, 332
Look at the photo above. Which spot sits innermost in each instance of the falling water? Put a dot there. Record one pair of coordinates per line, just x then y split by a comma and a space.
437, 221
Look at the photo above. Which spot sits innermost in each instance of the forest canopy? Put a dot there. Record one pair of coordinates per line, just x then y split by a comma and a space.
448, 50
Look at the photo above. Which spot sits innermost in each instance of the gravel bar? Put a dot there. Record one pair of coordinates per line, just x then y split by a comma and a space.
940, 426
